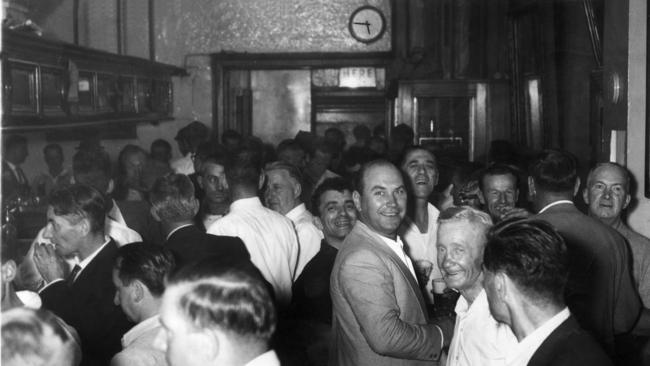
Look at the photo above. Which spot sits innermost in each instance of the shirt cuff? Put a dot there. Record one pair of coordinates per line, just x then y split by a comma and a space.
48, 284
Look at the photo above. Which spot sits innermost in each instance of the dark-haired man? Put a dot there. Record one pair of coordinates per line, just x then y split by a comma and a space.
84, 297
14, 180
600, 291
379, 314
499, 192
139, 276
526, 270
224, 318
56, 175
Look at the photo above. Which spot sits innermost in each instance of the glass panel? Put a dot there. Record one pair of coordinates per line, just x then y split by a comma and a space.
162, 97
443, 123
52, 84
106, 93
86, 86
144, 96
23, 92
126, 95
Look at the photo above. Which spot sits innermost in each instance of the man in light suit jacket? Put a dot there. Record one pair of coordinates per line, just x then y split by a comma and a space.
379, 314
600, 291
83, 298
530, 298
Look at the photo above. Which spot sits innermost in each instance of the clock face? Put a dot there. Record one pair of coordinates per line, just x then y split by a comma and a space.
367, 24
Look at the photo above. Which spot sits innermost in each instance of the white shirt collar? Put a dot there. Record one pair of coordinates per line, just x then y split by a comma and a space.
115, 214
246, 203
554, 204
295, 212
141, 328
524, 350
268, 358
175, 230
397, 246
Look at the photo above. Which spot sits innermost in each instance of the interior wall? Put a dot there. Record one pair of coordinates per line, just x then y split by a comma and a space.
639, 215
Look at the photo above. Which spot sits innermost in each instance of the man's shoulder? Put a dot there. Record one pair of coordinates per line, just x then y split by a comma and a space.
569, 344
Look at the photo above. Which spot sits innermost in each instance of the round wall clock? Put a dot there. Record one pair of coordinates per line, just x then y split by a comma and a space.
367, 24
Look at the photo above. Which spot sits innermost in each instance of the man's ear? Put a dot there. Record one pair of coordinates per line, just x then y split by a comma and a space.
154, 214
585, 195
318, 223
501, 285
576, 187
8, 271
199, 180
260, 183
207, 343
137, 290
531, 187
84, 226
111, 186
356, 197
628, 199
481, 198
297, 190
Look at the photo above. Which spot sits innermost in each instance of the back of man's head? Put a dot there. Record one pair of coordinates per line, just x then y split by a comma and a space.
92, 166
243, 170
229, 301
533, 255
80, 201
36, 338
555, 171
147, 263
172, 198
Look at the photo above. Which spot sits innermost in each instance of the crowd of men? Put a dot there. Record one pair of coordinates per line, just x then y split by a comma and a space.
314, 254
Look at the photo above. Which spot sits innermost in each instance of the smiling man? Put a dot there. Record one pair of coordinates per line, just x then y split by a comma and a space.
420, 226
499, 192
379, 314
478, 338
83, 298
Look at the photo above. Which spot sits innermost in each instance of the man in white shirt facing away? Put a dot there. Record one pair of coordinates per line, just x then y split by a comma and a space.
282, 195
526, 271
269, 237
139, 277
221, 318
478, 338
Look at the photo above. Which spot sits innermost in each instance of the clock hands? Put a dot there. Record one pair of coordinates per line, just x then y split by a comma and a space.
366, 23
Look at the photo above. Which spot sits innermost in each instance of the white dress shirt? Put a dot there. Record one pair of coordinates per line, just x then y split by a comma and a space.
398, 247
478, 338
422, 246
309, 236
140, 345
270, 239
524, 350
268, 358
184, 165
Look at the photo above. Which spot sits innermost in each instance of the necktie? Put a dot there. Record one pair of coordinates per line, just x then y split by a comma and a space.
20, 175
72, 275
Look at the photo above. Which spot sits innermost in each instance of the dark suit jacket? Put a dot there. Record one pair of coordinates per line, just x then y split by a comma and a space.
189, 244
569, 345
600, 291
137, 216
379, 314
10, 186
87, 305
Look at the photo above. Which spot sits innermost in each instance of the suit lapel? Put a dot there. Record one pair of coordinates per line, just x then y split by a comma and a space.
380, 245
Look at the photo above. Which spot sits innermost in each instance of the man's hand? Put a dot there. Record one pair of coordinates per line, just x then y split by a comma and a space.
446, 324
517, 212
50, 265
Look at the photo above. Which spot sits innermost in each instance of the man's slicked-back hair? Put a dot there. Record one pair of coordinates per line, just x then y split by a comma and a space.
230, 300
330, 184
172, 198
244, 168
499, 169
411, 149
148, 263
532, 254
359, 182
555, 171
36, 337
626, 173
80, 201
291, 169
